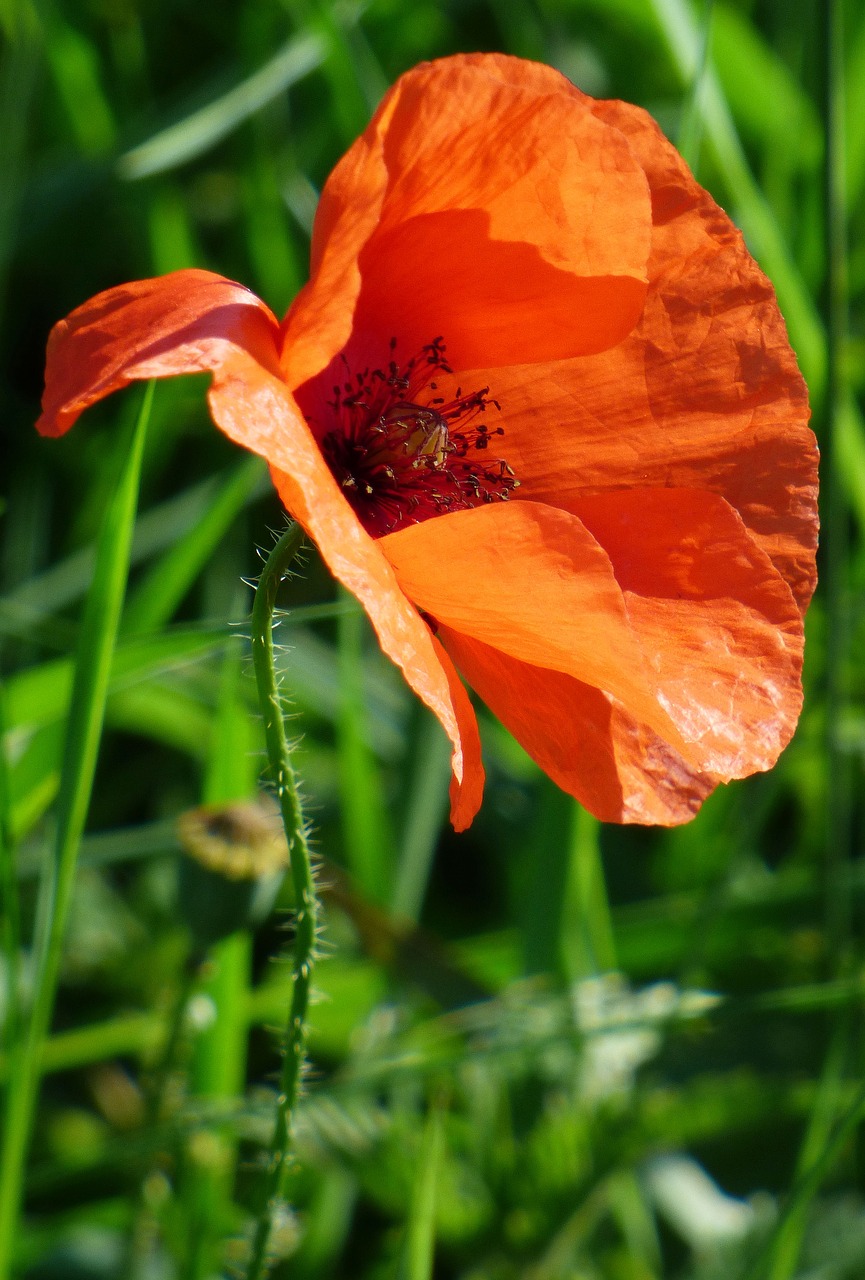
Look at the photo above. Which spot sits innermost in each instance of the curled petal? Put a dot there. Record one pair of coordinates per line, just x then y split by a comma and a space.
185, 322
587, 743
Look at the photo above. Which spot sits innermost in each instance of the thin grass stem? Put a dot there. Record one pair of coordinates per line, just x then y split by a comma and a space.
306, 903
588, 941
691, 124
9, 892
809, 1184
834, 513
787, 1240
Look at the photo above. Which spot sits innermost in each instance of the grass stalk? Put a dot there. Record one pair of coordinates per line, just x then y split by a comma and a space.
818, 1143
834, 513
807, 1187
9, 892
423, 816
84, 728
306, 903
588, 941
691, 124
418, 1253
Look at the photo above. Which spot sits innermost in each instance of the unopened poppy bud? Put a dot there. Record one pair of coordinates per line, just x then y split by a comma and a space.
235, 857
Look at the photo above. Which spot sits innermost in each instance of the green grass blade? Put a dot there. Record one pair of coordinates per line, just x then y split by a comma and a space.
691, 126
426, 806
809, 1184
418, 1253
356, 82
202, 129
833, 506
765, 98
9, 873
818, 1134
807, 333
74, 65
39, 695
171, 231
86, 714
544, 895
587, 921
682, 36
18, 77
855, 114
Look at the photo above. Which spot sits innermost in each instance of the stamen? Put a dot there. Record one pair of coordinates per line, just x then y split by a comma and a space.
403, 455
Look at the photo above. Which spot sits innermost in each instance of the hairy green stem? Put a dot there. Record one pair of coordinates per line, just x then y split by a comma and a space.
306, 905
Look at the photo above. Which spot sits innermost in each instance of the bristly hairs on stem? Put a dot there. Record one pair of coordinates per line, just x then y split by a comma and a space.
284, 781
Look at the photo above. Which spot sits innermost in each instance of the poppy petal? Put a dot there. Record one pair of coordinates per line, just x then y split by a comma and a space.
617, 768
704, 393
719, 626
185, 322
532, 246
533, 582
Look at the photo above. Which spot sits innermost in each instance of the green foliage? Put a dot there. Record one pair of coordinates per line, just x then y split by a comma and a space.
542, 1050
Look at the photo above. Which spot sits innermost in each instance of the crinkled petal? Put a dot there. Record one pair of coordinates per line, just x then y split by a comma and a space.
616, 767
185, 322
533, 582
507, 219
718, 625
704, 393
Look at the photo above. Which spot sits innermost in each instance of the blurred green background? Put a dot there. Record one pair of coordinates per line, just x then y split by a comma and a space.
542, 1049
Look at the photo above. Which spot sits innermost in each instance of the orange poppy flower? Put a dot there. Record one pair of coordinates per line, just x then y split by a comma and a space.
538, 411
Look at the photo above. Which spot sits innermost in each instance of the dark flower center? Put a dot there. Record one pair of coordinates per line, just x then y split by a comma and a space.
403, 453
